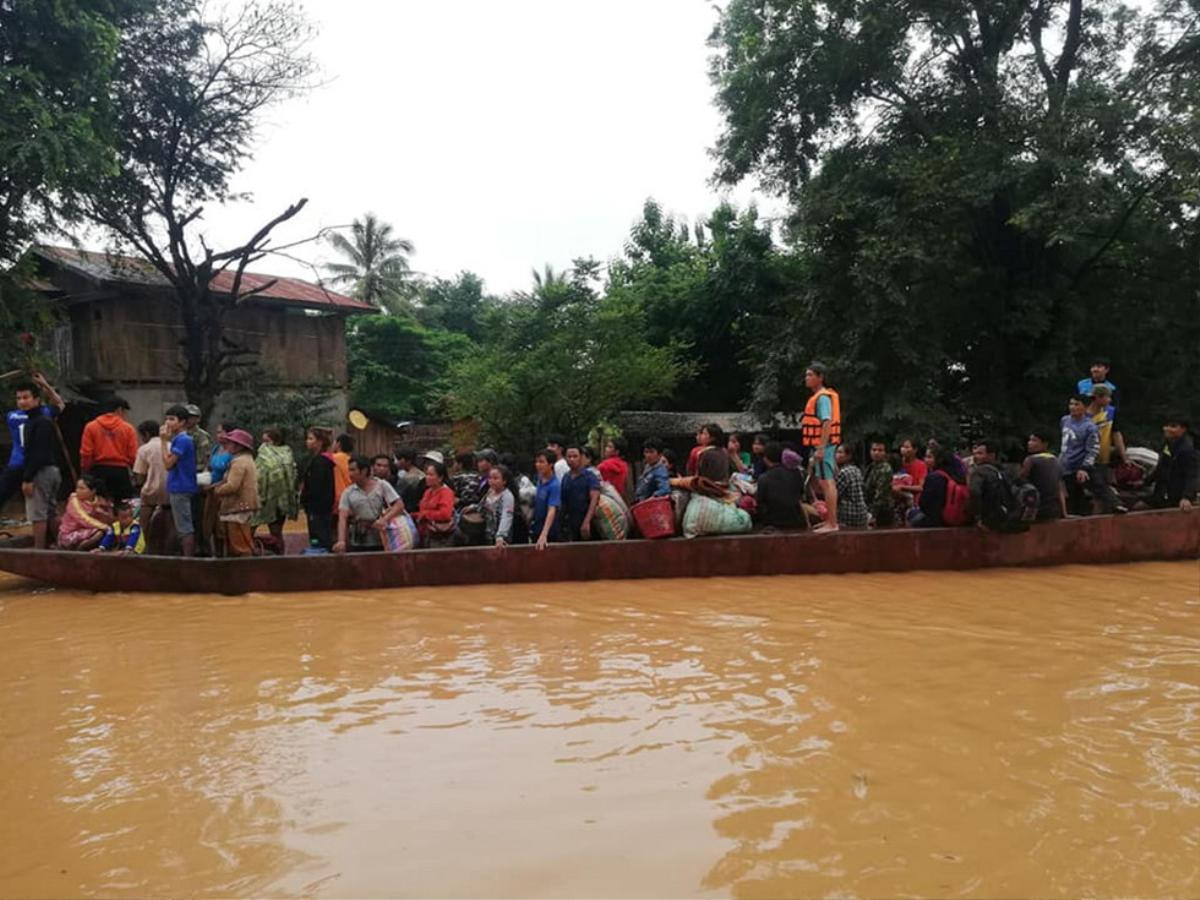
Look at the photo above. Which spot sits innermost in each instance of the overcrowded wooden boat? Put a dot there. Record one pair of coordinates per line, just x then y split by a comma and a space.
1163, 535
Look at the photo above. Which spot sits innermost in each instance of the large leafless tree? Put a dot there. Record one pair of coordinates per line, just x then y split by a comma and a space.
192, 84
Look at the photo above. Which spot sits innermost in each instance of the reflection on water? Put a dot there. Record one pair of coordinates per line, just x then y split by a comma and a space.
985, 734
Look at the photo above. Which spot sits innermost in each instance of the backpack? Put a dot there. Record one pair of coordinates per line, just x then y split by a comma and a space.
957, 508
1007, 506
1029, 499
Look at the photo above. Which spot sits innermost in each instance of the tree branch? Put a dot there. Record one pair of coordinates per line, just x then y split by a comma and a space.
255, 245
1066, 60
1120, 227
1037, 22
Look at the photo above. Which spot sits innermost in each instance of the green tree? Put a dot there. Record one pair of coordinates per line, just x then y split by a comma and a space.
560, 358
255, 409
377, 269
56, 135
704, 288
400, 367
56, 117
457, 305
984, 195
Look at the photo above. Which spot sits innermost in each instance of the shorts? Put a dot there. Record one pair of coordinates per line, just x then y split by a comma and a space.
40, 507
825, 465
181, 512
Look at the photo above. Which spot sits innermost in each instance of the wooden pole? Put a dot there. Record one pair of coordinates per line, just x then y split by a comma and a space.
62, 443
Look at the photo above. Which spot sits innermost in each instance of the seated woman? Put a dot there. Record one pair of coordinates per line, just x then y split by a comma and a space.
780, 491
944, 499
613, 468
712, 506
709, 440
757, 464
435, 515
739, 459
87, 516
671, 461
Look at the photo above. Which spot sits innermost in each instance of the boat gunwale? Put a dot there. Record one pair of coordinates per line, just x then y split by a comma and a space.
1138, 536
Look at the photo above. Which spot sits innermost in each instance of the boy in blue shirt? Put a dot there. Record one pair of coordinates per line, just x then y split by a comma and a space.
124, 535
1100, 369
179, 455
28, 397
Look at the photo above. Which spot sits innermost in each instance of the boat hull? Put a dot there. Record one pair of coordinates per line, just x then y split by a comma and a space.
1163, 535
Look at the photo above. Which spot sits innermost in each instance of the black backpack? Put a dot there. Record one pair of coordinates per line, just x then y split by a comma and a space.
1007, 505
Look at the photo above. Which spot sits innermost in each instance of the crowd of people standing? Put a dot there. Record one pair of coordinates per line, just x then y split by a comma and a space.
167, 485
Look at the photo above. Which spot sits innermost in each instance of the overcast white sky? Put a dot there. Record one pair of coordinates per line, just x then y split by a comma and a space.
496, 136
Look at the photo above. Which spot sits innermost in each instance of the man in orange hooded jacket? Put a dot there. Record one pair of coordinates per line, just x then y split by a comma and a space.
109, 448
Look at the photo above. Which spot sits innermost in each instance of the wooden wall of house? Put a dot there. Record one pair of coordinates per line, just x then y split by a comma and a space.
135, 337
376, 438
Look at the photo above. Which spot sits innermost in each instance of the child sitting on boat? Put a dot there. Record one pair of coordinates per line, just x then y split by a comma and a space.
125, 534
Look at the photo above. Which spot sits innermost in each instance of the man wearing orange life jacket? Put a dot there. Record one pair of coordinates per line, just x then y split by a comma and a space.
109, 448
821, 429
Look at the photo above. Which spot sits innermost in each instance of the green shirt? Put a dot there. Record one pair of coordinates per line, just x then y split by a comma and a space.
877, 485
204, 445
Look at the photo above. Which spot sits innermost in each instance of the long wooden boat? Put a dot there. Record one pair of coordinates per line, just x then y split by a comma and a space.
1164, 535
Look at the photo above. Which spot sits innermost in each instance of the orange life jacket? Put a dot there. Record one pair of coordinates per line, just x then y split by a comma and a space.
810, 425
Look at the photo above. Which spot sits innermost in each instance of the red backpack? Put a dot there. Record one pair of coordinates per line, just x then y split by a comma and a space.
957, 508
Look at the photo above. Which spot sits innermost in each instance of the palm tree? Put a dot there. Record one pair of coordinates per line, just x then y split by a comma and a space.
547, 279
377, 270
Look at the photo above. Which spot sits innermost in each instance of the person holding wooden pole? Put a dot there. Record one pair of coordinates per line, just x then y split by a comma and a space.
29, 396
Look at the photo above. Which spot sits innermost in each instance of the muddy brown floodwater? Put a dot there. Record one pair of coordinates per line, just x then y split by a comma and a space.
997, 734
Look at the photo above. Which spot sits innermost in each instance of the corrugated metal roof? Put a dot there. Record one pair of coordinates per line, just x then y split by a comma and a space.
115, 269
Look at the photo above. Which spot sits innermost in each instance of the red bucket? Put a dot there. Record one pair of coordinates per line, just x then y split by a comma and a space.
655, 517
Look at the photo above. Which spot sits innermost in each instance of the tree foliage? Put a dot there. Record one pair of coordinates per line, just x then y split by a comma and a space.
56, 118
398, 366
56, 133
456, 305
560, 358
376, 268
985, 194
704, 288
255, 408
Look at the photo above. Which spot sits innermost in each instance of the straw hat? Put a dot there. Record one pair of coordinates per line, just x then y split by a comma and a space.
434, 456
240, 437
